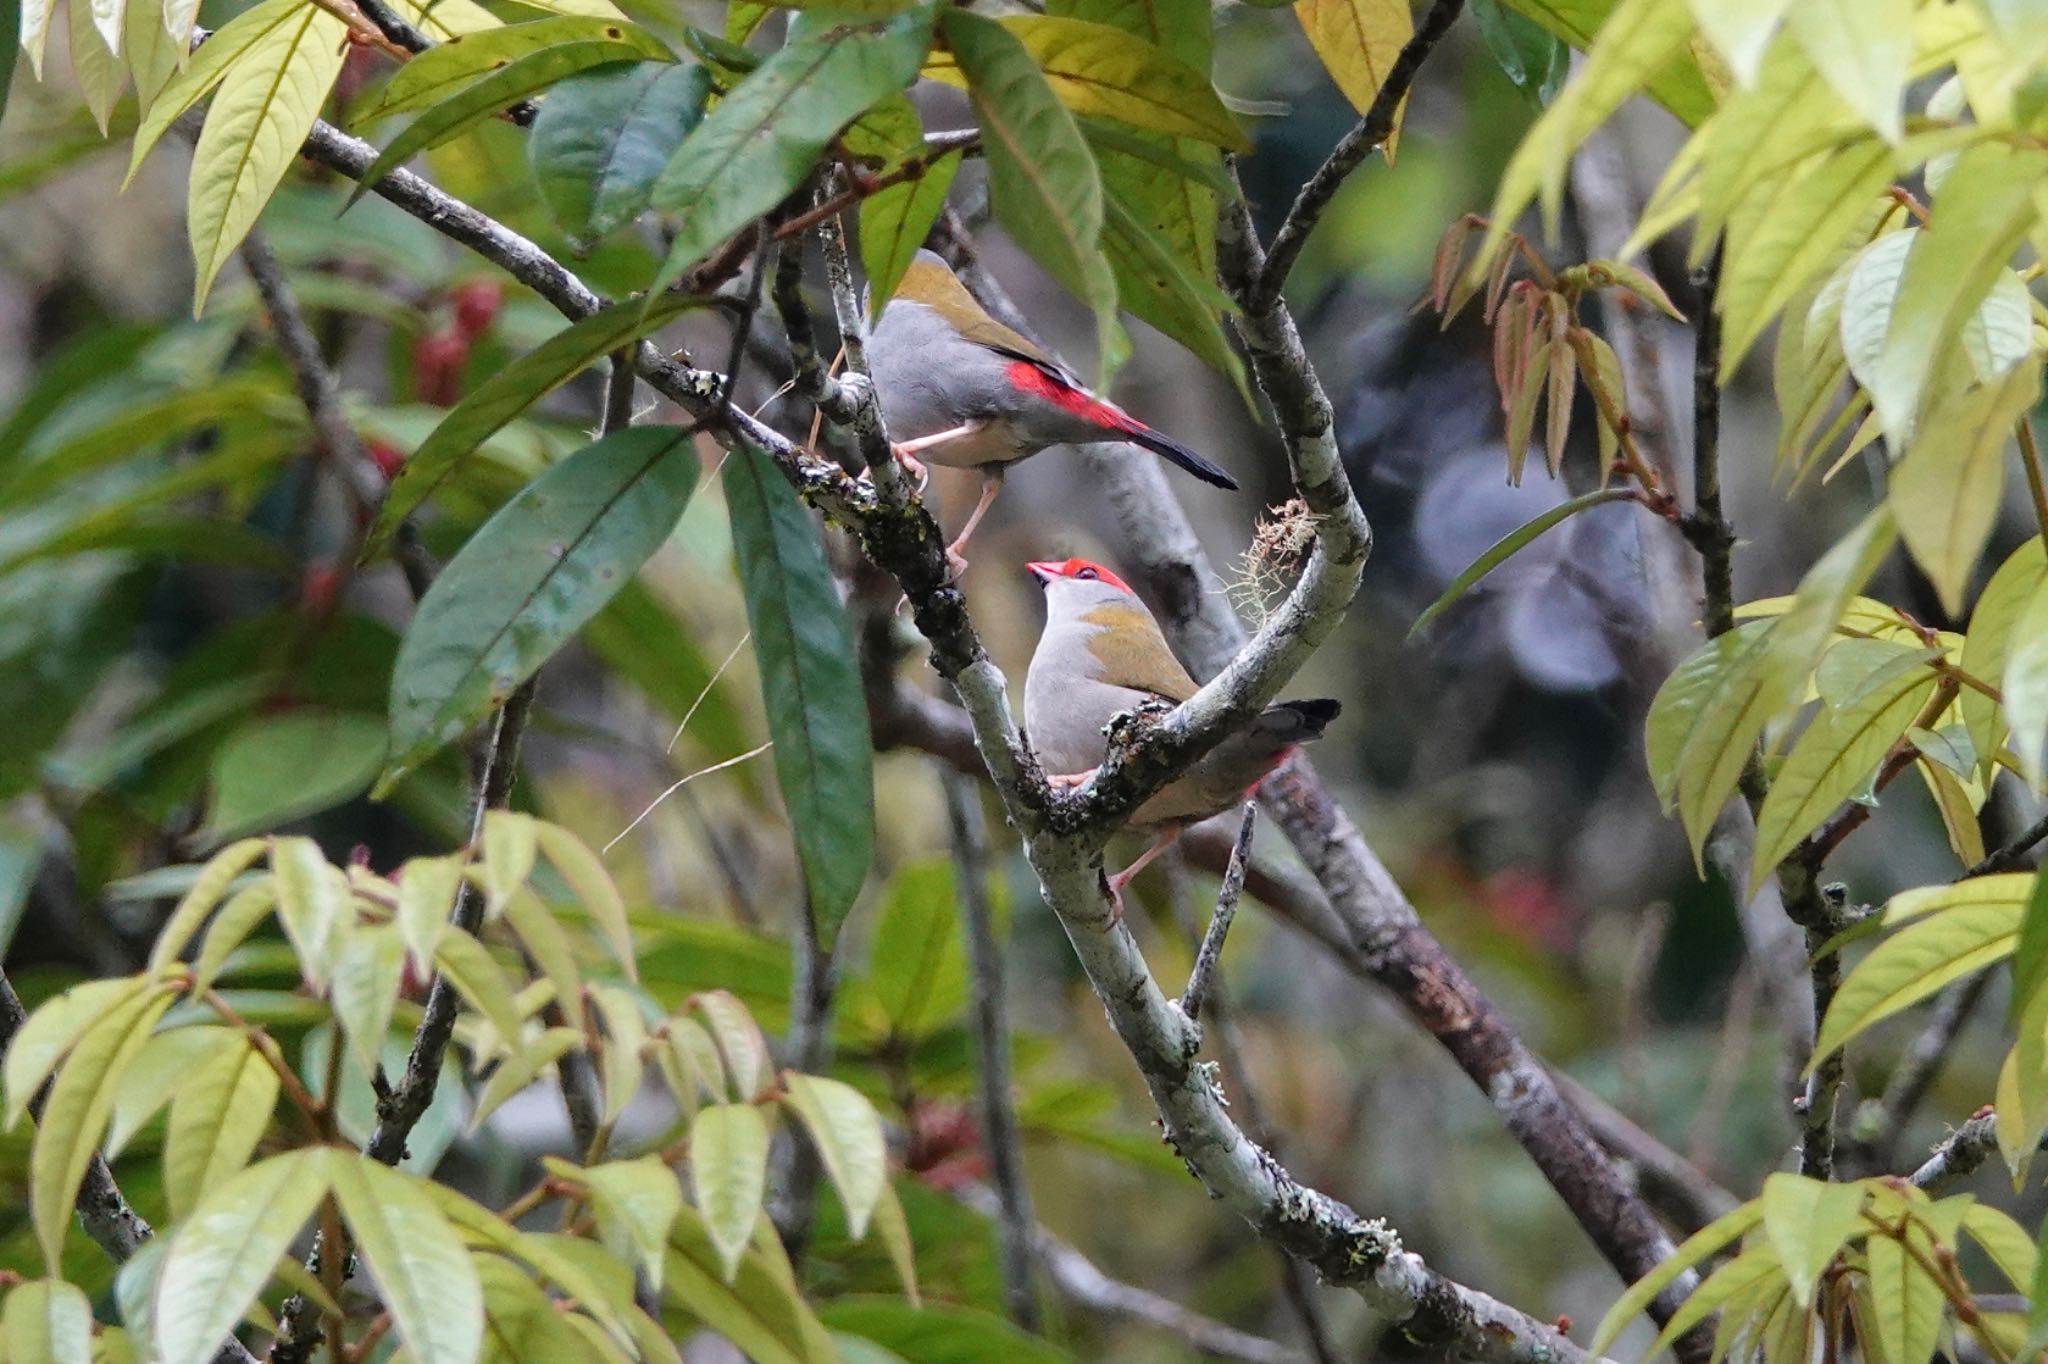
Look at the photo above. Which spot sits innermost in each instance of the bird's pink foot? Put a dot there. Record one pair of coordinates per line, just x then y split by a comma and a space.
1067, 781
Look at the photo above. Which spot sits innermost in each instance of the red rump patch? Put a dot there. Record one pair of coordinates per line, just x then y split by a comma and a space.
1029, 378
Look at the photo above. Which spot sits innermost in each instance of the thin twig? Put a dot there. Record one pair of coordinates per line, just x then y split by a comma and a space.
1001, 1144
2012, 856
2030, 461
1349, 153
1211, 951
807, 1048
1706, 527
1878, 1124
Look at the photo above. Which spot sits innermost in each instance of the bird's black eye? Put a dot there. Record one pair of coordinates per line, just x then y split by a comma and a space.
1088, 573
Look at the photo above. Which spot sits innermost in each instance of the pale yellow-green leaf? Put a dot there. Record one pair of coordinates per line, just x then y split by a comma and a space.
511, 845
521, 1069
1833, 759
440, 19
1864, 49
548, 1256
479, 979
1906, 1303
1676, 708
261, 113
1807, 1221
1754, 135
1691, 1252
1865, 311
636, 1202
1958, 808
625, 1033
847, 1133
1824, 597
689, 1060
1988, 643
109, 20
548, 944
101, 74
894, 1229
218, 1115
1357, 42
521, 1323
1916, 962
1947, 490
165, 1065
1756, 1265
206, 69
740, 1043
2000, 334
312, 904
1982, 215
2025, 683
729, 1176
2022, 1109
757, 1310
2005, 1243
228, 1250
367, 978
54, 1029
201, 900
35, 31
592, 885
46, 1321
422, 1272
75, 1115
2004, 888
426, 897
1740, 30
238, 918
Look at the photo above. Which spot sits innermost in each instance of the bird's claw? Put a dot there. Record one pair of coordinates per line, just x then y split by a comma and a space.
913, 466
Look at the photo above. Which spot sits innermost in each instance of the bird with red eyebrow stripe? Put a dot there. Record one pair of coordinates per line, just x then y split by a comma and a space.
964, 391
1102, 653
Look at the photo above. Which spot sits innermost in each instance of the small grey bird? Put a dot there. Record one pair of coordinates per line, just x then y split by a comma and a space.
1102, 653
961, 386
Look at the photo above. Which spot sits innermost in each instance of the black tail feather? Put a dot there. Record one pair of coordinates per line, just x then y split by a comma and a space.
1179, 454
1302, 721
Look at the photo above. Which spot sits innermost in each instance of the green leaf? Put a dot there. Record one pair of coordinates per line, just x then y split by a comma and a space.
625, 1026
1832, 761
1906, 1304
80, 1101
510, 392
312, 904
547, 943
46, 1321
237, 919
1693, 684
1982, 215
762, 1315
223, 1255
261, 113
1917, 962
938, 1333
529, 579
810, 683
1042, 177
426, 898
917, 964
637, 1203
761, 140
601, 137
198, 903
482, 101
448, 67
138, 428
2025, 683
1161, 288
1808, 1221
164, 1065
1357, 42
423, 1274
2005, 1243
367, 978
219, 1113
155, 41
511, 846
1754, 1267
479, 979
277, 768
741, 1047
11, 17
894, 1229
248, 31
549, 1256
1864, 49
1740, 30
1504, 548
729, 1176
1947, 490
518, 1071
100, 74
847, 1133
583, 871
521, 1323
1987, 645
1534, 60
1692, 1251
894, 224
2030, 952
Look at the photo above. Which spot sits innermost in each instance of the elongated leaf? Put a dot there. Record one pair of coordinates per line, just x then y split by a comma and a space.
1906, 1303
2030, 952
894, 224
761, 140
75, 1115
483, 99
918, 966
602, 137
810, 682
1833, 760
1675, 711
518, 1071
139, 428
426, 897
155, 42
1042, 176
756, 1309
510, 392
529, 579
511, 846
1158, 286
585, 875
101, 75
548, 944
423, 1274
224, 1254
202, 899
1693, 1250
2025, 684
1864, 49
1947, 490
455, 63
209, 65
479, 979
1915, 963
1504, 548
367, 979
277, 768
545, 1254
1756, 1265
637, 1203
847, 1132
1988, 644
312, 904
1808, 1221
164, 1065
261, 113
625, 1027
237, 919
2004, 1241
46, 1321
218, 1114
1357, 41
729, 1175
740, 1044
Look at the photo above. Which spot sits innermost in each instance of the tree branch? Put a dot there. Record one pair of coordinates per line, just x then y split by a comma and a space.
1957, 1158
1350, 152
1210, 953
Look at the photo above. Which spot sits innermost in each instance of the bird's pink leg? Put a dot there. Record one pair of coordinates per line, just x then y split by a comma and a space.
1125, 877
991, 484
906, 450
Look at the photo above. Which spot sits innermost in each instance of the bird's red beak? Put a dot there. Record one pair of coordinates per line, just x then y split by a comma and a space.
1044, 571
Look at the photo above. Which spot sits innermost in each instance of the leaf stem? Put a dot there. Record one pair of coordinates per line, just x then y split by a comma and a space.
2030, 460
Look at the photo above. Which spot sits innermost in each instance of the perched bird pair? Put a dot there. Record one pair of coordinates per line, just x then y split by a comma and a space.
962, 390
1102, 653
